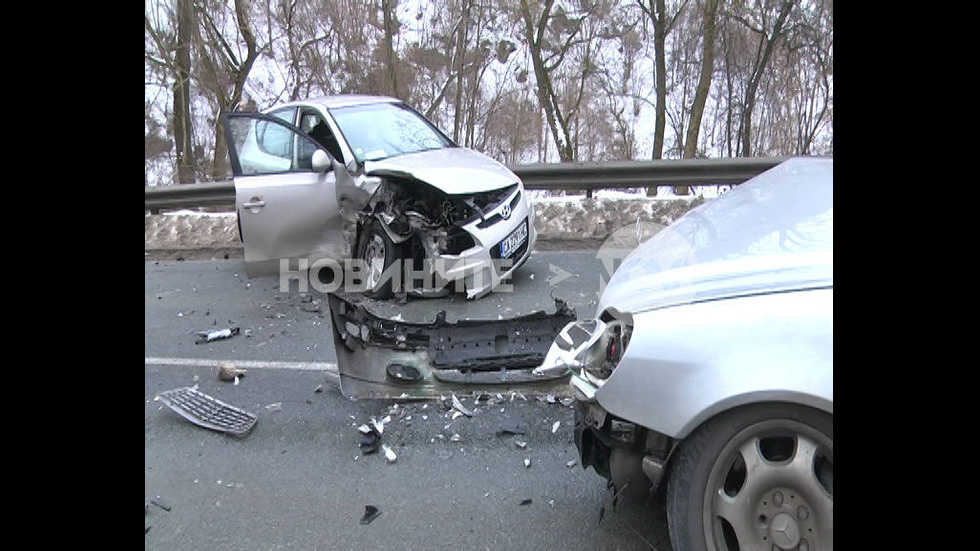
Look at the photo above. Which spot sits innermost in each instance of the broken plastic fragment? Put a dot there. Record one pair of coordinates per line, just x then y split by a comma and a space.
527, 462
459, 406
390, 456
571, 463
454, 437
274, 407
370, 513
567, 401
514, 426
210, 336
554, 428
456, 415
160, 503
520, 444
526, 502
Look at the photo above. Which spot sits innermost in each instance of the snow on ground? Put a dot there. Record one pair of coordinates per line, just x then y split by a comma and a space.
569, 217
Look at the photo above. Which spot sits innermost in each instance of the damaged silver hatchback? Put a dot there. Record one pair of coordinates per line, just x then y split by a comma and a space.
324, 182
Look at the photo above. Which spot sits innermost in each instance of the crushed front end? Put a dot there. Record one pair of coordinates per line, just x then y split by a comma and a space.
631, 456
389, 358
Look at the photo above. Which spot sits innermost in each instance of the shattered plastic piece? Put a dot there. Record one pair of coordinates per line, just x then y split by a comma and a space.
527, 462
567, 401
210, 336
364, 429
390, 456
160, 503
274, 407
552, 503
550, 398
370, 513
456, 415
228, 372
454, 437
514, 426
571, 463
318, 389
520, 445
379, 426
459, 406
554, 428
526, 502
208, 412
369, 443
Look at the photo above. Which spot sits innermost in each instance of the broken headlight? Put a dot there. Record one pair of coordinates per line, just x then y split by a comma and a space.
596, 346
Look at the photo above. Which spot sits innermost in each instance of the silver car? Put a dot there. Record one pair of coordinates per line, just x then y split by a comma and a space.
325, 181
706, 377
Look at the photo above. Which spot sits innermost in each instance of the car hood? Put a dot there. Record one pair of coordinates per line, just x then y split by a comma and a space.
773, 233
453, 170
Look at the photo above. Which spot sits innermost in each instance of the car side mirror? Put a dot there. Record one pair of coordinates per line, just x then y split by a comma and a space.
321, 161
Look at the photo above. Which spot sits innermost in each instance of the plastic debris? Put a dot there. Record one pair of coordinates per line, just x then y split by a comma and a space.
211, 336
571, 463
228, 372
390, 456
274, 407
514, 426
567, 401
527, 462
208, 412
318, 389
454, 437
554, 428
459, 406
526, 502
457, 415
370, 513
520, 444
160, 503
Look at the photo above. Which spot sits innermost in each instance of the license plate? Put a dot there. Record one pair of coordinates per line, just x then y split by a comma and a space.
513, 241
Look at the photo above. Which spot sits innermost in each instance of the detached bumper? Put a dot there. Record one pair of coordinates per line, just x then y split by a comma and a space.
384, 358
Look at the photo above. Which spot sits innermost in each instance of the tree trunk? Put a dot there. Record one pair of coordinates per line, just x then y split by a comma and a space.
704, 85
767, 44
546, 93
183, 121
388, 8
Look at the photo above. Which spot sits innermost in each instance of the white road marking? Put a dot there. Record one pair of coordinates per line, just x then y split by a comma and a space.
329, 367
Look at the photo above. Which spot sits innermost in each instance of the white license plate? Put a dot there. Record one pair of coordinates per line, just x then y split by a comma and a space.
513, 241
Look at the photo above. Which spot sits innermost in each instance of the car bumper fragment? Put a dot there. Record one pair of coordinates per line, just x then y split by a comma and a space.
386, 358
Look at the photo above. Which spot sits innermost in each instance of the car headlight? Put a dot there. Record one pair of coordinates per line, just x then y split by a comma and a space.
594, 346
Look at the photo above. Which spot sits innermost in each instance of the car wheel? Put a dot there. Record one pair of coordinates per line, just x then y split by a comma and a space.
759, 477
379, 253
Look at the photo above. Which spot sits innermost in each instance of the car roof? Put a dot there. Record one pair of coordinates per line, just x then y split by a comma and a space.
341, 100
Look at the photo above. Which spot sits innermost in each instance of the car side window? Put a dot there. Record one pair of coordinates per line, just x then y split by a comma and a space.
314, 125
264, 145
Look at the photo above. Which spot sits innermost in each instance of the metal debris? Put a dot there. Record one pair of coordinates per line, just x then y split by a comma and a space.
370, 513
228, 372
210, 336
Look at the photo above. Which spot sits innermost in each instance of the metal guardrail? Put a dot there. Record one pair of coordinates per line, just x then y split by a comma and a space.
571, 176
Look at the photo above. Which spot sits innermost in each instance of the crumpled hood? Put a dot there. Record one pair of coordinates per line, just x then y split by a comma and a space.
773, 233
453, 170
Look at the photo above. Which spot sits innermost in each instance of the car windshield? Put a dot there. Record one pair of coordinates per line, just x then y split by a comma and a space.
381, 130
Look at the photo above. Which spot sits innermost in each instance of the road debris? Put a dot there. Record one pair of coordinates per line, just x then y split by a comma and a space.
274, 407
318, 389
160, 503
567, 401
390, 456
571, 463
454, 438
554, 428
459, 406
526, 502
211, 336
228, 372
513, 426
520, 444
208, 412
370, 513
527, 462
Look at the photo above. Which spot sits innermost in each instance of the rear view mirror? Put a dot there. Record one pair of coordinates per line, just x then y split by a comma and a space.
321, 161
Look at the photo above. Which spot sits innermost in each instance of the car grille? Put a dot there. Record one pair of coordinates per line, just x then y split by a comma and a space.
491, 220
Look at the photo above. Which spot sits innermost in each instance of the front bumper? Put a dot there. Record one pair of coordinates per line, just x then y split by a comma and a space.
386, 358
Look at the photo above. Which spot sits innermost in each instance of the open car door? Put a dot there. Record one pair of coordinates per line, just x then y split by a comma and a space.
285, 193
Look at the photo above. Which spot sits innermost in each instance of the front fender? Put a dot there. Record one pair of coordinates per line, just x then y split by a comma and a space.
688, 363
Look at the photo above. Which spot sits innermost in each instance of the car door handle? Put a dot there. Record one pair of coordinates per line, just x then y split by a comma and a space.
254, 204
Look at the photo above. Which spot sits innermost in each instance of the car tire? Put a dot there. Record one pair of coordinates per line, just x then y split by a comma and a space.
756, 477
374, 244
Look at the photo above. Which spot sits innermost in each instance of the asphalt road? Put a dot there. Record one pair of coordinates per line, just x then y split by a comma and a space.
300, 481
